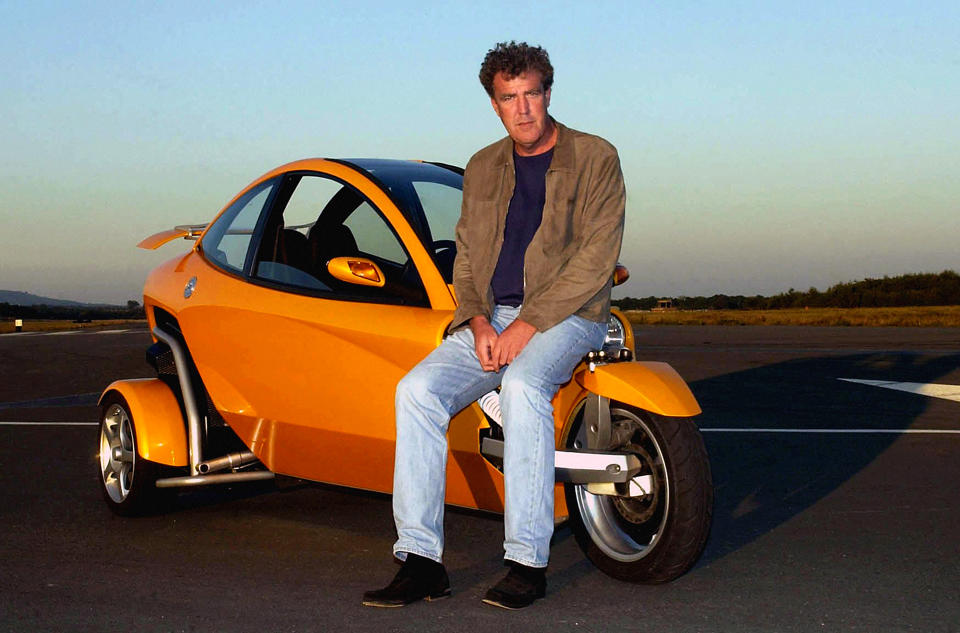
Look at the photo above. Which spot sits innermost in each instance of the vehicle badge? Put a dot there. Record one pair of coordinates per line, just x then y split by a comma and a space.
189, 288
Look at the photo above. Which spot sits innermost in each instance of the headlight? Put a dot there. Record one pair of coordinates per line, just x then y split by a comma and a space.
616, 334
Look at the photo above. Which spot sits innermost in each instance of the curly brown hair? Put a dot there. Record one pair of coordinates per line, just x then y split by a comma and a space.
513, 59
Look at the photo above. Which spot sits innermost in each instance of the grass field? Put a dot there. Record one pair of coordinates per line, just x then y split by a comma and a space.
939, 316
56, 326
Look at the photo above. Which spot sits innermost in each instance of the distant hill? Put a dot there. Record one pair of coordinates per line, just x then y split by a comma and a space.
19, 298
15, 304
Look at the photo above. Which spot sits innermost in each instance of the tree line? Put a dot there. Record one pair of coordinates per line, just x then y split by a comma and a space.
921, 289
133, 310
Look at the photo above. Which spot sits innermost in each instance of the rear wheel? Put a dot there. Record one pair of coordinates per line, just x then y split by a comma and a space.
128, 481
659, 533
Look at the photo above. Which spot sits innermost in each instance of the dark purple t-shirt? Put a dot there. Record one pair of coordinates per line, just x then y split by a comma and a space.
523, 220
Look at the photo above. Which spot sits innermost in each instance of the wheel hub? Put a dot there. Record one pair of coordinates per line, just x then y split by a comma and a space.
627, 528
117, 453
639, 509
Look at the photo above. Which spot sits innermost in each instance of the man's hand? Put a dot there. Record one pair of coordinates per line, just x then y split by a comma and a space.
511, 342
485, 339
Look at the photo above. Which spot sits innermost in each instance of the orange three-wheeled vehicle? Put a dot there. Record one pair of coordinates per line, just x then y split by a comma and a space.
280, 336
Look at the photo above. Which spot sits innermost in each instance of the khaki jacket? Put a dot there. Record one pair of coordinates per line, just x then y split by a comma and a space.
568, 266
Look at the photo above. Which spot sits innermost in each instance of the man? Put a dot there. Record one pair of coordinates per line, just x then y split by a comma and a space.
537, 241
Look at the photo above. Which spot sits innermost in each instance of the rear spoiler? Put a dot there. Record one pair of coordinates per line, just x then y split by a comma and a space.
186, 231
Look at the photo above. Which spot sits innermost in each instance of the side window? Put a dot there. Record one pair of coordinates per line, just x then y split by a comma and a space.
373, 235
323, 219
227, 242
441, 204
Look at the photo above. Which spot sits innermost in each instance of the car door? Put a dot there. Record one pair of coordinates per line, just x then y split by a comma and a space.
303, 365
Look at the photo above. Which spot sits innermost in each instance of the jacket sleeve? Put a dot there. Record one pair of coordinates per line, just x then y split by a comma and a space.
469, 302
590, 268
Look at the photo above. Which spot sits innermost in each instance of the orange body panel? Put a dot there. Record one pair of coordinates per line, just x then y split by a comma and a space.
270, 359
652, 386
157, 240
161, 435
276, 356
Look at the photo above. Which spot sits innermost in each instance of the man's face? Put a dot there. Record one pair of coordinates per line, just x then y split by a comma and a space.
521, 103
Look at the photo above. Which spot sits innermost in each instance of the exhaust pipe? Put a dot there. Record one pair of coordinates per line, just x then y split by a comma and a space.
230, 461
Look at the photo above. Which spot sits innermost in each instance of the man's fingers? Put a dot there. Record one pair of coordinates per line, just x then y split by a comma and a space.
484, 354
493, 362
486, 360
487, 351
502, 354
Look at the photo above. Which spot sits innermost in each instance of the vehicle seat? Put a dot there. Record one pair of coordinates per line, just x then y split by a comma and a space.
295, 250
327, 242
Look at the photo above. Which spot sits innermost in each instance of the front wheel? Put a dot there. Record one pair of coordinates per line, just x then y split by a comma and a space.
128, 481
659, 533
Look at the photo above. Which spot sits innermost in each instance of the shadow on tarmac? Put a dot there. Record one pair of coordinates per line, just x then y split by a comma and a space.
762, 480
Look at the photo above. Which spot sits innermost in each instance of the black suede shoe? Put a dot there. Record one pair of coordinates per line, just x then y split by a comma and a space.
419, 578
519, 588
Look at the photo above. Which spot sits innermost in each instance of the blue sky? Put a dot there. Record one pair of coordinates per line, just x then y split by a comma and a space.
765, 145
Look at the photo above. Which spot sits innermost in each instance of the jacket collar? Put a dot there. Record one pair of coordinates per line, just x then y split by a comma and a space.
564, 157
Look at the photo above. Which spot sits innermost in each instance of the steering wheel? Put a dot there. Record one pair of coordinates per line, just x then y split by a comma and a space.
443, 251
440, 245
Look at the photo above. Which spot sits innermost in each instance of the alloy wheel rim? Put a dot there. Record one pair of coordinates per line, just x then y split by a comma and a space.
612, 529
117, 453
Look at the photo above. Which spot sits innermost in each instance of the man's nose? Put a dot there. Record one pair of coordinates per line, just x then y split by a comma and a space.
523, 104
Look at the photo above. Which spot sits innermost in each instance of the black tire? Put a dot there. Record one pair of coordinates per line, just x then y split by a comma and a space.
127, 481
655, 538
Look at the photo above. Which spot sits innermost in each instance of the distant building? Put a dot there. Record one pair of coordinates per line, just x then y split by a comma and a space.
664, 305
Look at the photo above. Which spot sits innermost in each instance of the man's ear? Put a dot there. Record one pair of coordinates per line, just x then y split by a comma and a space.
496, 107
546, 97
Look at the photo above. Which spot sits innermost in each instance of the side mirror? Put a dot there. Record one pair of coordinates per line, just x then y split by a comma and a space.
356, 270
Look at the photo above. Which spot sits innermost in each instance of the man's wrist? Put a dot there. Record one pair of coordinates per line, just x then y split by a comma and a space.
479, 320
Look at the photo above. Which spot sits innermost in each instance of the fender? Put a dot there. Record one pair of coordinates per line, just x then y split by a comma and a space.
161, 433
652, 386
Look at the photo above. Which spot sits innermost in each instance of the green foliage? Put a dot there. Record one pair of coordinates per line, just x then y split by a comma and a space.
923, 289
71, 313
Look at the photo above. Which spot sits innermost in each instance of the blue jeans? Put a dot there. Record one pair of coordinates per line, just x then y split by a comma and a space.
449, 379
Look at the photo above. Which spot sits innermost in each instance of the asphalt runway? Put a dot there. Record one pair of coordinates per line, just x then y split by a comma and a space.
836, 507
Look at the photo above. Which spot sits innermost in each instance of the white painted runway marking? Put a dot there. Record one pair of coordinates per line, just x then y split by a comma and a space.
69, 332
49, 423
947, 392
